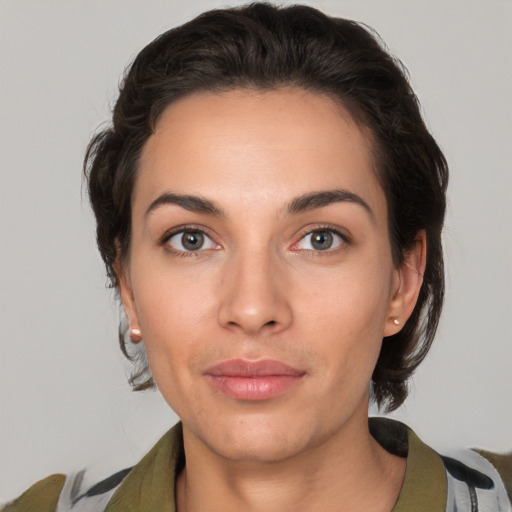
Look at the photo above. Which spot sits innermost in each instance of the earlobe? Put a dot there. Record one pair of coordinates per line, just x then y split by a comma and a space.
410, 279
128, 301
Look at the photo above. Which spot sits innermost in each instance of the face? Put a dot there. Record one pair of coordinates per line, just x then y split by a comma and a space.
260, 269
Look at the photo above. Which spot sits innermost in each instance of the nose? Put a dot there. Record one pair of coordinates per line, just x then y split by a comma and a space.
253, 295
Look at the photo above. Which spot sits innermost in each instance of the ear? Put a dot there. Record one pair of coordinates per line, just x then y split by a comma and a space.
408, 280
127, 298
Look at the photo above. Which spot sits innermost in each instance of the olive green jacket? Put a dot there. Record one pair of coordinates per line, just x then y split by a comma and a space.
472, 482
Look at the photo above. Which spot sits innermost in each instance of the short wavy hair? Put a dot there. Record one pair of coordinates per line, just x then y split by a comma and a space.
264, 47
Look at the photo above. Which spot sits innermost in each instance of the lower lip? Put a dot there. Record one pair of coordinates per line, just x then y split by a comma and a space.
254, 388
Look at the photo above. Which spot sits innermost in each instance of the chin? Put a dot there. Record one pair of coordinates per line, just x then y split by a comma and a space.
260, 449
258, 439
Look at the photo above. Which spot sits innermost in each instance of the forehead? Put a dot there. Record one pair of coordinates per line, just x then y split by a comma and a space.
262, 146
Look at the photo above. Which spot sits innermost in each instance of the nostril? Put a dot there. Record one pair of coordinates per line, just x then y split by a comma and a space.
271, 322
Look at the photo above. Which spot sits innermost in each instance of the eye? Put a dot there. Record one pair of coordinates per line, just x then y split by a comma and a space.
190, 240
320, 240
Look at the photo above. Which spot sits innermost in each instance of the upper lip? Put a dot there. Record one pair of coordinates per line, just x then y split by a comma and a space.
248, 369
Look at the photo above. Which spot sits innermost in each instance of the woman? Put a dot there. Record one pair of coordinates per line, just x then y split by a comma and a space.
269, 205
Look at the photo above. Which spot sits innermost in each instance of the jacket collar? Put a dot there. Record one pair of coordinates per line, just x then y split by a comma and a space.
150, 484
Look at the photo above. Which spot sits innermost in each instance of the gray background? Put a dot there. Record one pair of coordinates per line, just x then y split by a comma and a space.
64, 400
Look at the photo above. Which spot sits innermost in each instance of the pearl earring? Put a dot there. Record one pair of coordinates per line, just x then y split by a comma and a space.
135, 335
396, 321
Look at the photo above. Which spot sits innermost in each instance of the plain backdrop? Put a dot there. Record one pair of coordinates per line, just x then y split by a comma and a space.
64, 400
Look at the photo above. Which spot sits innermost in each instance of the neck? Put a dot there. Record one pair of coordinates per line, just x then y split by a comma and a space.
349, 471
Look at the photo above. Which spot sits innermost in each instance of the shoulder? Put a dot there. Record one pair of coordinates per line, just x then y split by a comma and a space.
61, 493
483, 475
457, 481
503, 464
43, 496
132, 488
477, 481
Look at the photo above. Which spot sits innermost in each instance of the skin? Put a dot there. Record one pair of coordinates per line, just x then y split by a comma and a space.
259, 289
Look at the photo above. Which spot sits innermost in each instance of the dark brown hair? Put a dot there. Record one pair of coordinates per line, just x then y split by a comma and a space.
260, 46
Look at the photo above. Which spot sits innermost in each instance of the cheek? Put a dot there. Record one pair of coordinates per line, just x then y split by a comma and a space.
173, 311
172, 320
354, 298
346, 317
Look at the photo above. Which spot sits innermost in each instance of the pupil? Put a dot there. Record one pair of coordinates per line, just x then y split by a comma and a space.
322, 240
192, 241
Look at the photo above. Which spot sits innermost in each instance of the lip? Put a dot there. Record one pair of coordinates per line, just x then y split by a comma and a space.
253, 380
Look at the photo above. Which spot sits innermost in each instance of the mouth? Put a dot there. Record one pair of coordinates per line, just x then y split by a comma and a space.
253, 380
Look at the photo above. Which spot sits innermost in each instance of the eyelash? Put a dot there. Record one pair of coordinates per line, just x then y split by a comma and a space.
196, 229
331, 229
180, 230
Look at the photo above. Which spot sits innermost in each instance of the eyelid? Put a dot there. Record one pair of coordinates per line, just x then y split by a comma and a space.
193, 228
164, 239
323, 227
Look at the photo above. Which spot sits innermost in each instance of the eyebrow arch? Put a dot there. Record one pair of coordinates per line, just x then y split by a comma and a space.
313, 200
188, 202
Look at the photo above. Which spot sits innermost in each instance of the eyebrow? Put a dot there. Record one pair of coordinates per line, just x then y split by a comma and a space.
304, 203
188, 202
313, 200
